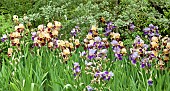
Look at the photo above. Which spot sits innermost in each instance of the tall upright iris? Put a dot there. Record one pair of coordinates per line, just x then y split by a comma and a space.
151, 31
75, 30
92, 53
138, 51
76, 69
109, 28
105, 75
118, 49
132, 26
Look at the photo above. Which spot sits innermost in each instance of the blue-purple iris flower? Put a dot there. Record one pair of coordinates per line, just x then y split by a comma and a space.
33, 35
4, 38
109, 28
76, 68
89, 88
133, 57
151, 31
114, 43
104, 75
82, 53
132, 27
150, 82
117, 49
97, 39
75, 30
92, 53
145, 63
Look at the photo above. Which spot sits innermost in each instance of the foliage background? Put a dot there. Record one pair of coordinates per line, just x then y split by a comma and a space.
88, 12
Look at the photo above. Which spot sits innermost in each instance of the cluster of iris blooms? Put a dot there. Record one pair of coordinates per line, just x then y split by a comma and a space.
139, 51
117, 45
155, 53
44, 36
49, 36
96, 47
159, 46
76, 69
157, 49
96, 50
14, 36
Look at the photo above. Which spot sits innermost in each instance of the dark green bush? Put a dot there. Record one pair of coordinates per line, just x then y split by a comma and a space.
87, 12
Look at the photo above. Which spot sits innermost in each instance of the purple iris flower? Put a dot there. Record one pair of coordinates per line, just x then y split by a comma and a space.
97, 74
76, 64
114, 42
150, 82
104, 75
116, 49
106, 33
152, 56
151, 34
83, 53
92, 53
143, 62
143, 65
97, 39
134, 61
119, 56
90, 45
133, 57
132, 26
90, 33
89, 88
151, 26
76, 68
33, 35
146, 30
4, 38
109, 28
91, 57
100, 46
151, 31
73, 32
145, 46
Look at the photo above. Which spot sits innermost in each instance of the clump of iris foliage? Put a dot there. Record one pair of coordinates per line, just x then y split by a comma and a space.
84, 45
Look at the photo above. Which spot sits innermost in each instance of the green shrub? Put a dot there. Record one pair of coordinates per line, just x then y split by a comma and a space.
6, 24
141, 14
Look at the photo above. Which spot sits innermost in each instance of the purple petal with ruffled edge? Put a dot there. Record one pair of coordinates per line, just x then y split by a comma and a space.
150, 82
143, 65
89, 88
